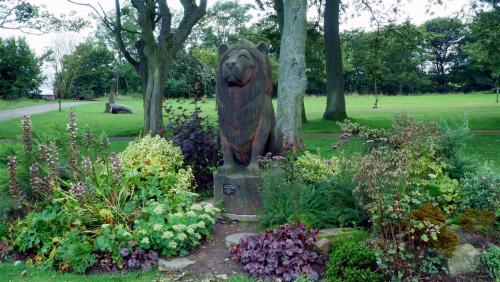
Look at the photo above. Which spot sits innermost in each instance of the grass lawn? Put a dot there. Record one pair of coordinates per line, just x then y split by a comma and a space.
22, 273
23, 102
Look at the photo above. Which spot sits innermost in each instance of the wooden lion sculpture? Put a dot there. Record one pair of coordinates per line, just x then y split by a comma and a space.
246, 114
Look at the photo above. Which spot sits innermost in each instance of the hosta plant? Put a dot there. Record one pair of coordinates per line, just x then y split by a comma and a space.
285, 253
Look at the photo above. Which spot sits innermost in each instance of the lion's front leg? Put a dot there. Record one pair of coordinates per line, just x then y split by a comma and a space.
229, 164
259, 144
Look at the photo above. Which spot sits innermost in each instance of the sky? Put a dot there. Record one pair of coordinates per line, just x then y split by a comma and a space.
417, 11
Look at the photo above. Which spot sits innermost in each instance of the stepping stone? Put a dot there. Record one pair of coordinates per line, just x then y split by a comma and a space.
323, 246
174, 264
234, 239
465, 258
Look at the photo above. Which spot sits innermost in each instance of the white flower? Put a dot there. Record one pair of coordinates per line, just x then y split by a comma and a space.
157, 227
206, 216
198, 236
145, 240
190, 230
201, 224
432, 176
104, 226
181, 236
179, 227
191, 214
172, 245
196, 207
159, 209
167, 235
209, 208
177, 214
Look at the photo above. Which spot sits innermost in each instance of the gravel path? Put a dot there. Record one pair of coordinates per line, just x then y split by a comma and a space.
38, 109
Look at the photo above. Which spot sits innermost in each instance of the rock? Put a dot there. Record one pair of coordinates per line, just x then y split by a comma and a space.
174, 264
234, 239
465, 258
329, 232
119, 109
323, 246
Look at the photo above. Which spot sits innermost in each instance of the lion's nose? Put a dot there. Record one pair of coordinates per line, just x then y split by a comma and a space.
230, 64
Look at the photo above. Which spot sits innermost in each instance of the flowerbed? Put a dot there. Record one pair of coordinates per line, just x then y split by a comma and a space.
90, 210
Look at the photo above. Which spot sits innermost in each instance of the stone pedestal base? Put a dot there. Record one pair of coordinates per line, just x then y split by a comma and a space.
238, 193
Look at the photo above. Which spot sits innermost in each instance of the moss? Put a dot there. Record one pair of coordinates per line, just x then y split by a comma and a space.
477, 220
428, 212
447, 240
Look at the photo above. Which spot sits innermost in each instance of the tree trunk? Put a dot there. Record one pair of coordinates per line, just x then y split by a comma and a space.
292, 76
153, 100
335, 99
278, 7
400, 88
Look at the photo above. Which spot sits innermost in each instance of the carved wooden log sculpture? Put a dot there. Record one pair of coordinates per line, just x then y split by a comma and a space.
246, 114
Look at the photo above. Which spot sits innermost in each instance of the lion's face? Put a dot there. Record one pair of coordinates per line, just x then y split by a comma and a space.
238, 68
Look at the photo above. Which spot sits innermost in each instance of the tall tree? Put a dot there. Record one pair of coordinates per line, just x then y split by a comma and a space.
443, 37
292, 76
277, 5
335, 100
20, 73
156, 47
483, 44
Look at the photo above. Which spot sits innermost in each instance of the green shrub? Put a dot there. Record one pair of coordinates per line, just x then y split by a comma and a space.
352, 261
74, 252
155, 156
313, 169
481, 190
491, 261
313, 200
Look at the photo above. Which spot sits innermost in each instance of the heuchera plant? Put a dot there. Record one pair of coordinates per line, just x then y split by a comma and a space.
286, 252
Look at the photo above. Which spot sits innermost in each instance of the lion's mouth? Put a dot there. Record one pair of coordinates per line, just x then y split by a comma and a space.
234, 82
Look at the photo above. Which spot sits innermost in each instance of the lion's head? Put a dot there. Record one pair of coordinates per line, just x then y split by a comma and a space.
241, 63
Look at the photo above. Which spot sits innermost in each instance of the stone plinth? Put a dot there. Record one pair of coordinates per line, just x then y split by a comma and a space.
238, 193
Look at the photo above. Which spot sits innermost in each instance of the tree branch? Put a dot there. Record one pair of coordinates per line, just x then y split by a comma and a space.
192, 14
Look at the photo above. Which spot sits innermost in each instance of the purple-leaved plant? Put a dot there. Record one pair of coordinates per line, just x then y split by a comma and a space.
286, 252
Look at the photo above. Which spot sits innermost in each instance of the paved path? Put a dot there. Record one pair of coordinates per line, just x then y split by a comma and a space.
38, 109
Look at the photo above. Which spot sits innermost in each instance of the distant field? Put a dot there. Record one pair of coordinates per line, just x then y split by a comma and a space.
480, 109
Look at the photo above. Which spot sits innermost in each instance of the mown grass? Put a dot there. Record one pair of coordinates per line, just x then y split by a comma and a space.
22, 102
480, 109
23, 272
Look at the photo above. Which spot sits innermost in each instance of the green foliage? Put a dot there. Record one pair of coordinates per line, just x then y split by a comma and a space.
74, 251
352, 260
111, 211
20, 72
313, 169
86, 73
155, 156
481, 190
491, 261
478, 220
300, 194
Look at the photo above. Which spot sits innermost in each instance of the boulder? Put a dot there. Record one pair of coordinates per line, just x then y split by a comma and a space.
323, 246
465, 258
234, 239
174, 264
119, 109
